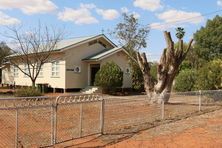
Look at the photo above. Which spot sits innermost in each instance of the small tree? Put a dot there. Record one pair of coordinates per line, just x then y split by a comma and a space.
109, 76
185, 81
4, 51
209, 77
33, 49
132, 36
137, 78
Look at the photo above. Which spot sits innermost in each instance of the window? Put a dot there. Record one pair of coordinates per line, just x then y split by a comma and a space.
15, 72
26, 70
41, 72
55, 69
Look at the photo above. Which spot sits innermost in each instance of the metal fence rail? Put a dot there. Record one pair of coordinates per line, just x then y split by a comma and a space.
46, 121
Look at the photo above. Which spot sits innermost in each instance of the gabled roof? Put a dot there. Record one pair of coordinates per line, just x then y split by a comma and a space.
64, 44
69, 43
105, 53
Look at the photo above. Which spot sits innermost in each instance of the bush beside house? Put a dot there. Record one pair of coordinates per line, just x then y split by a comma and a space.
109, 77
28, 92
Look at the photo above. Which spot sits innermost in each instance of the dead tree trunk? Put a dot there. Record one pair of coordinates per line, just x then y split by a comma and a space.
166, 71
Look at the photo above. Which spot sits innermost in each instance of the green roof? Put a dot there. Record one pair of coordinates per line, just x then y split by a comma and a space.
102, 54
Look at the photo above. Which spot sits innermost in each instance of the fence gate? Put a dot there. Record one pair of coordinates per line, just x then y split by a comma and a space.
76, 116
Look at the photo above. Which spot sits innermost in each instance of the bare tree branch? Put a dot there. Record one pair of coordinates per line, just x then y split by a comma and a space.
34, 49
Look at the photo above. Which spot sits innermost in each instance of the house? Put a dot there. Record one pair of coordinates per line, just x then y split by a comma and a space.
75, 64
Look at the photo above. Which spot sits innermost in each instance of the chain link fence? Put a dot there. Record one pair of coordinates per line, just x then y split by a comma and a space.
46, 121
185, 104
128, 115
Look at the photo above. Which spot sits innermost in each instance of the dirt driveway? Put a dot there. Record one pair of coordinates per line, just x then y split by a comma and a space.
199, 132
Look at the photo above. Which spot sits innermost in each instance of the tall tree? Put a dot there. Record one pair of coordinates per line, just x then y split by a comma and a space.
33, 49
167, 68
208, 45
133, 37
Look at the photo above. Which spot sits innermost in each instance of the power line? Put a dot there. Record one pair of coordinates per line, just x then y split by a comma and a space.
162, 24
190, 18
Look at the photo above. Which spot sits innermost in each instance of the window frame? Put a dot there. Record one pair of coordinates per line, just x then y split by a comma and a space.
41, 75
15, 72
55, 67
26, 68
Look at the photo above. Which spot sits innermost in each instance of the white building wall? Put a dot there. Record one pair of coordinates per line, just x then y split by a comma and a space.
55, 82
7, 77
74, 58
69, 59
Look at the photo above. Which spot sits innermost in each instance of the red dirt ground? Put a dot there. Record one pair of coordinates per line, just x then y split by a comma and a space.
203, 131
200, 132
35, 125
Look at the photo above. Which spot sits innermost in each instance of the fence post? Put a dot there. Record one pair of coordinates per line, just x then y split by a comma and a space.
53, 124
16, 129
102, 113
80, 120
162, 109
200, 94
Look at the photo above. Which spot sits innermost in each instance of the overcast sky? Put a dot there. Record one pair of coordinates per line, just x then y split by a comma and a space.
90, 17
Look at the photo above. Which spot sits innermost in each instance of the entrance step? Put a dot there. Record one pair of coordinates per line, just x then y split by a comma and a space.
91, 90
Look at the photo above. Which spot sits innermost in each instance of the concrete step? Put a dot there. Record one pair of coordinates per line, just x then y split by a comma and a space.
91, 90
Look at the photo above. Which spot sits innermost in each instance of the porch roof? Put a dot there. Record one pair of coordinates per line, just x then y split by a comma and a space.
103, 54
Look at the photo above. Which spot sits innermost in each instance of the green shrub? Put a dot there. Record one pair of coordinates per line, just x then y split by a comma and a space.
109, 76
185, 80
28, 92
153, 71
209, 77
137, 78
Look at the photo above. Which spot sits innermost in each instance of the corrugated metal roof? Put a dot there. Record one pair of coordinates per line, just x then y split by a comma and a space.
101, 54
69, 42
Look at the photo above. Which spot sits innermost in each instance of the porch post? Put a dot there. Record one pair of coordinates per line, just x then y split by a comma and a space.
88, 74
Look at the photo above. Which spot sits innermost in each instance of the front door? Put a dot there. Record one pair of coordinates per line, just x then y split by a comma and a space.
94, 69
